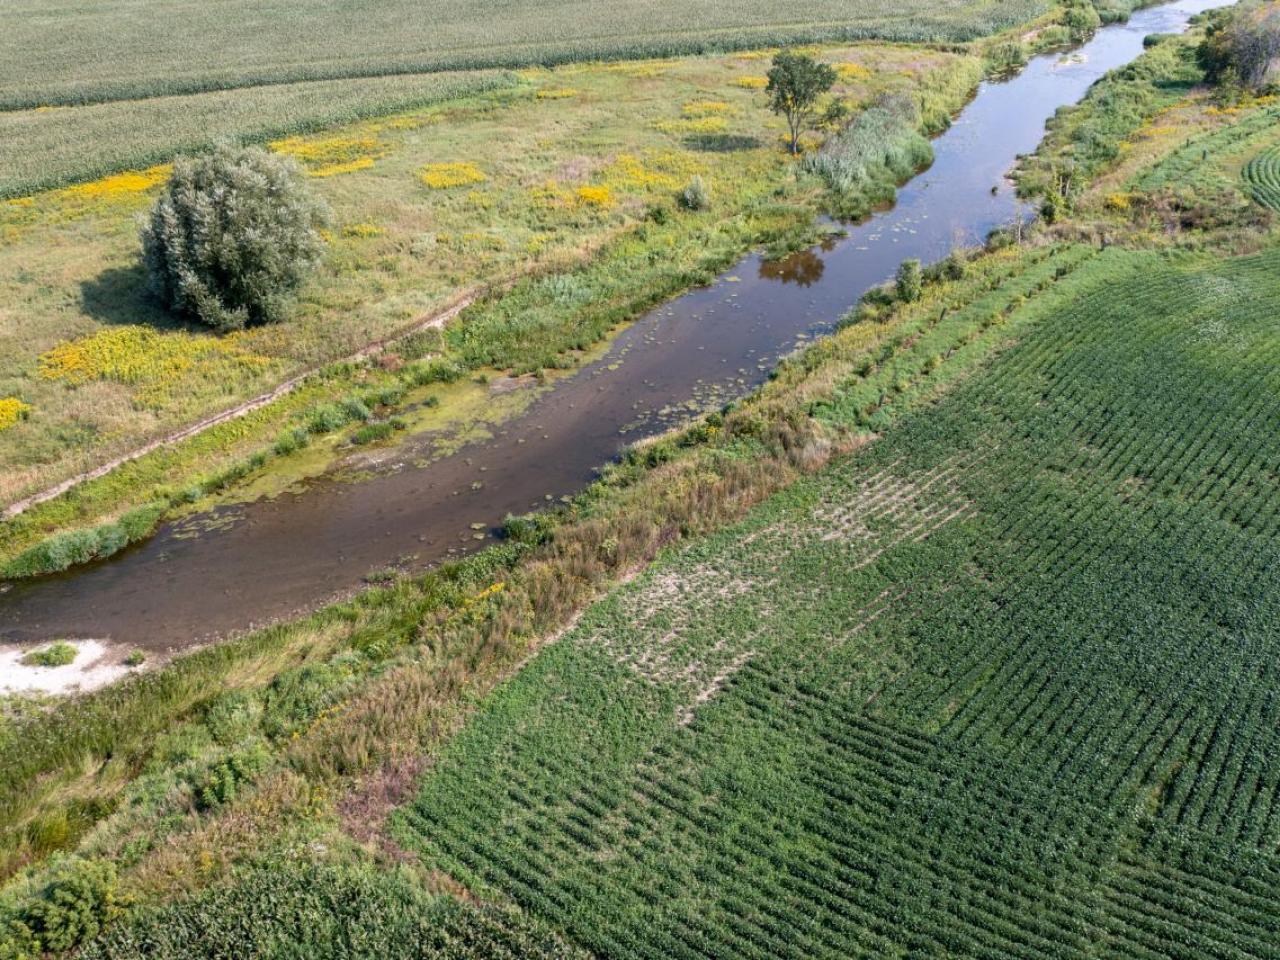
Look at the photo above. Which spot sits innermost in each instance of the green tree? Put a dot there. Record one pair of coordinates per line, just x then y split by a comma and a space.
232, 236
1241, 46
796, 81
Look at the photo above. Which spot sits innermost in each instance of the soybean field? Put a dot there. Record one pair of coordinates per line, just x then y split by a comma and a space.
1262, 174
1002, 684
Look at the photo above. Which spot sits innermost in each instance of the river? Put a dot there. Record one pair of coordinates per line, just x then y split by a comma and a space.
279, 556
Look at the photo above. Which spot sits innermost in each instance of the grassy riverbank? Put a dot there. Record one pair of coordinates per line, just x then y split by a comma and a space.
593, 202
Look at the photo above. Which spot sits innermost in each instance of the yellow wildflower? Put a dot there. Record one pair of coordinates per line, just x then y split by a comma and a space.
597, 196
164, 366
442, 176
331, 156
752, 83
852, 72
11, 411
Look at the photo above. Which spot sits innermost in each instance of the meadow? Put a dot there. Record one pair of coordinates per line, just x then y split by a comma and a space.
129, 51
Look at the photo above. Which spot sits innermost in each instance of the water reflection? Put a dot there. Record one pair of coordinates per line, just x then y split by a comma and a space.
803, 269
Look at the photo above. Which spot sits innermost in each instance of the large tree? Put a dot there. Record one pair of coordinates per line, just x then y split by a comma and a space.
796, 81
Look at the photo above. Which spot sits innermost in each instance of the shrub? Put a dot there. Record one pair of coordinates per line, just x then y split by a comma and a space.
373, 432
1082, 19
231, 237
221, 782
910, 281
136, 658
696, 195
432, 371
863, 163
55, 655
74, 906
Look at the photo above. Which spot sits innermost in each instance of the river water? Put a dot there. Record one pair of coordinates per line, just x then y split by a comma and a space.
270, 559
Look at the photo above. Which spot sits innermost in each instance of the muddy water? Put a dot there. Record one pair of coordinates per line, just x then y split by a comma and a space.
261, 561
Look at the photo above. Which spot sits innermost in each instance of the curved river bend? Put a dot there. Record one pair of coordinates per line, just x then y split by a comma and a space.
276, 557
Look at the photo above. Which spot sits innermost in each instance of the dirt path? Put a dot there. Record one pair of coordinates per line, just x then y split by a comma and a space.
431, 321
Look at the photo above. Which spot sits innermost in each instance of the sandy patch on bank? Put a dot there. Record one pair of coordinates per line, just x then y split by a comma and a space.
95, 665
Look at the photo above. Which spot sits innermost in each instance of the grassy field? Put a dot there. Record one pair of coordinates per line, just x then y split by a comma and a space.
1001, 686
566, 167
126, 50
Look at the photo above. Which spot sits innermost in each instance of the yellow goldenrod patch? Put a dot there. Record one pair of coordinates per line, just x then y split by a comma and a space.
705, 108
1118, 202
752, 83
331, 156
595, 196
161, 364
119, 185
557, 93
442, 176
11, 411
852, 72
361, 230
656, 170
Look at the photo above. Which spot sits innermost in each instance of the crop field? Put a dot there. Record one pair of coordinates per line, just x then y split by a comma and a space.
1262, 174
1001, 685
126, 50
48, 147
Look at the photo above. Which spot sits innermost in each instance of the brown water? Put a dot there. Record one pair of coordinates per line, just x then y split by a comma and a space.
273, 558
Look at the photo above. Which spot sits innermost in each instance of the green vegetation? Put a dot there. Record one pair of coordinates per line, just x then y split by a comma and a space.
862, 165
1241, 45
324, 910
796, 81
42, 148
1019, 652
1262, 174
117, 50
232, 237
958, 638
1083, 140
111, 371
55, 655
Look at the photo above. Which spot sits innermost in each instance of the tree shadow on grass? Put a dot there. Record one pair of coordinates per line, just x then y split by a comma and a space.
119, 296
720, 142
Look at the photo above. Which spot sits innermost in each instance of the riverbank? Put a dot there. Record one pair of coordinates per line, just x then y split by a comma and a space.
953, 202
636, 137
374, 685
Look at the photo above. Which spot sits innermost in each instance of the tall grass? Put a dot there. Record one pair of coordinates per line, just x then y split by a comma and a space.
863, 163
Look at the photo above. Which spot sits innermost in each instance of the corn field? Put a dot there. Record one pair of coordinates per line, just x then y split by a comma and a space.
116, 50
